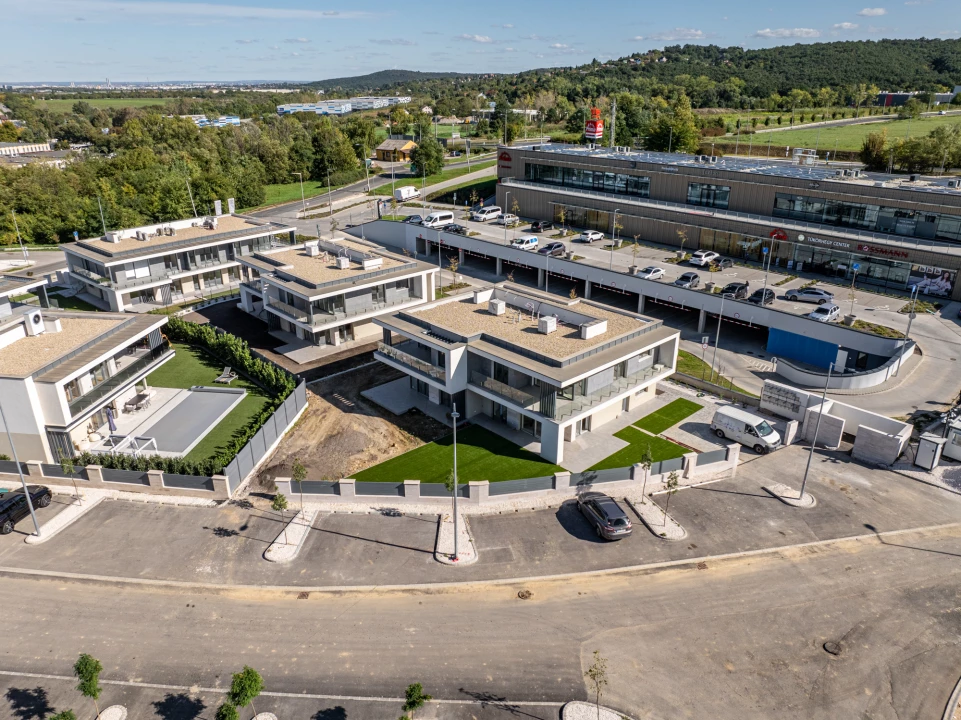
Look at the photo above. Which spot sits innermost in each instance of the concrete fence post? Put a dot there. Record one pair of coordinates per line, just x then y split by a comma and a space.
637, 471
733, 454
156, 478
412, 489
562, 480
479, 491
94, 473
690, 462
34, 468
221, 487
348, 488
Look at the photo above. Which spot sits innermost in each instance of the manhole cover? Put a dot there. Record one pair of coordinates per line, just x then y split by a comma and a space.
832, 648
525, 594
303, 595
702, 566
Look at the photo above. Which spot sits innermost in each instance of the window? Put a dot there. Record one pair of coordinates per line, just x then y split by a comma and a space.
608, 182
715, 196
72, 390
98, 375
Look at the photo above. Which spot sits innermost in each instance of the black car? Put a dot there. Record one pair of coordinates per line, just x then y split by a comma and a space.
602, 511
554, 249
456, 229
541, 225
413, 219
14, 508
762, 297
738, 290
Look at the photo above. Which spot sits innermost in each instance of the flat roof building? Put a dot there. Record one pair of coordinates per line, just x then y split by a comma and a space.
328, 292
158, 265
327, 107
894, 231
550, 367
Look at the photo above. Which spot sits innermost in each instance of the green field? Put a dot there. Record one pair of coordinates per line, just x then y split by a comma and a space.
481, 455
668, 416
695, 367
639, 440
443, 176
848, 137
67, 105
190, 367
484, 189
289, 192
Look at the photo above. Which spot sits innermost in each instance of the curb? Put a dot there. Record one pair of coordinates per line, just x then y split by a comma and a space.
466, 558
952, 703
579, 708
673, 536
281, 550
45, 535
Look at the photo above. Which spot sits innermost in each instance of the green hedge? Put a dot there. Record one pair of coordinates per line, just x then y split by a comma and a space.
235, 352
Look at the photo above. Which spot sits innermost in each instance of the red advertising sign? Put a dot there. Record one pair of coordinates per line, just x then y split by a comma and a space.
504, 160
778, 234
594, 127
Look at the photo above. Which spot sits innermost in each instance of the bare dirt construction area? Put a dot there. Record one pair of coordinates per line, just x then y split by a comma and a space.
342, 432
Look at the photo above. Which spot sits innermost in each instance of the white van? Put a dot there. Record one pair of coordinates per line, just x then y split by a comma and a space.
741, 426
438, 219
485, 213
408, 192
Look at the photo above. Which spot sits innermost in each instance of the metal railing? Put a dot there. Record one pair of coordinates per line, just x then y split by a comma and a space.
319, 317
348, 278
152, 247
437, 373
289, 310
515, 395
566, 408
136, 282
97, 278
114, 381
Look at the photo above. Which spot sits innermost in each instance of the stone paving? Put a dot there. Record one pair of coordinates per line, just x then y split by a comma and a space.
444, 551
291, 539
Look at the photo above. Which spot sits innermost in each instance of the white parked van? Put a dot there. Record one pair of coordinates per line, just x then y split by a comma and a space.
438, 219
485, 213
741, 426
408, 192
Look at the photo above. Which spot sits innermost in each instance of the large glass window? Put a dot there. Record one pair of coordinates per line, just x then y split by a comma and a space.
715, 196
615, 183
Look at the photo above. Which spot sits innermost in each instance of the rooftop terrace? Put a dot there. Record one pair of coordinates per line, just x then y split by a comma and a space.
29, 354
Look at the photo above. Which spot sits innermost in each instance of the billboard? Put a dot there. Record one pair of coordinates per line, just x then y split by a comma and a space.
594, 127
932, 280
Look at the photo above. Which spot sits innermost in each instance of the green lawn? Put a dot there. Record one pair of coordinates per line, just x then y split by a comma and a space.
484, 189
59, 105
695, 367
847, 137
481, 455
191, 366
668, 416
639, 440
289, 192
440, 177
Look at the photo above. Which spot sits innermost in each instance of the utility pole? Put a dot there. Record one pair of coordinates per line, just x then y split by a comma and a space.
330, 201
191, 196
19, 239
102, 221
907, 333
613, 119
817, 425
717, 336
23, 482
303, 198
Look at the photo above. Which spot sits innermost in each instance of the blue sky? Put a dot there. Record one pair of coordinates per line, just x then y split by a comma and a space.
125, 40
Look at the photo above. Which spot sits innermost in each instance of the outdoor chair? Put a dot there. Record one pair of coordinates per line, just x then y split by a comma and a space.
227, 376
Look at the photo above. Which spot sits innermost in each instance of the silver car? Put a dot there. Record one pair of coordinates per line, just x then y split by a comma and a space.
810, 295
825, 313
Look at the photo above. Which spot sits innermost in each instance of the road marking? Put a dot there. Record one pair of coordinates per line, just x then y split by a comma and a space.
193, 689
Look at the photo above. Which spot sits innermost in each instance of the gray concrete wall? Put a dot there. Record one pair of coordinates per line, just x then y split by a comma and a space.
95, 482
845, 381
877, 446
829, 431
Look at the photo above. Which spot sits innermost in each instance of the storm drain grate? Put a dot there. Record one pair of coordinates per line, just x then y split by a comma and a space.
702, 566
303, 595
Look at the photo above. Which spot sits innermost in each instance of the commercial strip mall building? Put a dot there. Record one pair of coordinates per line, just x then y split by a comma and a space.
898, 231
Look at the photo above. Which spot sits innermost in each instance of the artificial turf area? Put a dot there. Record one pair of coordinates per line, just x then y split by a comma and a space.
481, 455
668, 416
190, 367
661, 449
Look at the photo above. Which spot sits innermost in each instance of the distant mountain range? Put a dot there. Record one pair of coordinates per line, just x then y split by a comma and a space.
383, 79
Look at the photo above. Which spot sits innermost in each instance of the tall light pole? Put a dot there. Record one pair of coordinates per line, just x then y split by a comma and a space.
717, 336
613, 237
330, 201
817, 425
23, 482
303, 198
767, 256
19, 239
507, 194
907, 333
453, 416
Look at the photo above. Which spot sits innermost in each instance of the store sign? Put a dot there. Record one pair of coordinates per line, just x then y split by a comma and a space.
828, 243
932, 280
504, 161
594, 127
778, 234
885, 251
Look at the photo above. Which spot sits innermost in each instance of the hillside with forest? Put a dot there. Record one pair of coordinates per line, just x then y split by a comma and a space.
380, 80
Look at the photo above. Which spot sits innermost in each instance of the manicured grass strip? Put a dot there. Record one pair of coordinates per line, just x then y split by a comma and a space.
668, 416
481, 455
440, 177
661, 449
191, 366
695, 367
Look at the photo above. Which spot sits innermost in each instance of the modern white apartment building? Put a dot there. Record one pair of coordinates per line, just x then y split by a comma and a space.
61, 371
329, 292
327, 107
157, 265
546, 366
369, 103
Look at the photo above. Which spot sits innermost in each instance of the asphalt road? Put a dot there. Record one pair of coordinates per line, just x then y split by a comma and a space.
740, 639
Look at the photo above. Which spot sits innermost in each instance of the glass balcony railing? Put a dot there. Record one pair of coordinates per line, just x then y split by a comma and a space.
96, 277
565, 408
515, 395
290, 311
129, 371
437, 373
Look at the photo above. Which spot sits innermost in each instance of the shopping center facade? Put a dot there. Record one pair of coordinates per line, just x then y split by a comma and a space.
893, 232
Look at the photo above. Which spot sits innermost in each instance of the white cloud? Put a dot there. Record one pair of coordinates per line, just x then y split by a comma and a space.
297, 40
873, 12
244, 42
636, 37
506, 26
474, 38
559, 46
788, 33
509, 50
679, 33
194, 10
392, 41
845, 26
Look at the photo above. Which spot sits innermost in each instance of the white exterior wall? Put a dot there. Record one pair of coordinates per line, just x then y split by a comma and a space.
22, 409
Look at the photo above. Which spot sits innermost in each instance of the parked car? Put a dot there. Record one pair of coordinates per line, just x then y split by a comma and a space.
741, 426
651, 272
825, 313
456, 229
525, 242
942, 112
738, 290
703, 258
455, 153
554, 249
688, 280
608, 518
485, 213
811, 295
14, 508
764, 296
414, 219
541, 225
439, 219
408, 192
506, 219
590, 236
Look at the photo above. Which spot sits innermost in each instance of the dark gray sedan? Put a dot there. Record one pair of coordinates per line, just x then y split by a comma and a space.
608, 518
553, 249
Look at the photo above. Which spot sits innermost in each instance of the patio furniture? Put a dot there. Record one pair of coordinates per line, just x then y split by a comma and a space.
227, 376
137, 402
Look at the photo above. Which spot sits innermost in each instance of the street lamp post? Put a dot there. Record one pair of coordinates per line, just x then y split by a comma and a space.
717, 336
23, 482
767, 256
613, 238
303, 198
907, 333
507, 194
454, 415
330, 201
817, 425
19, 239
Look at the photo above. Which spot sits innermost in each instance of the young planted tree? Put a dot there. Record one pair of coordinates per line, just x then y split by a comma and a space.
561, 218
334, 224
227, 712
515, 207
87, 669
596, 676
671, 486
67, 466
298, 473
647, 460
280, 505
64, 715
245, 687
415, 697
572, 294
682, 236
